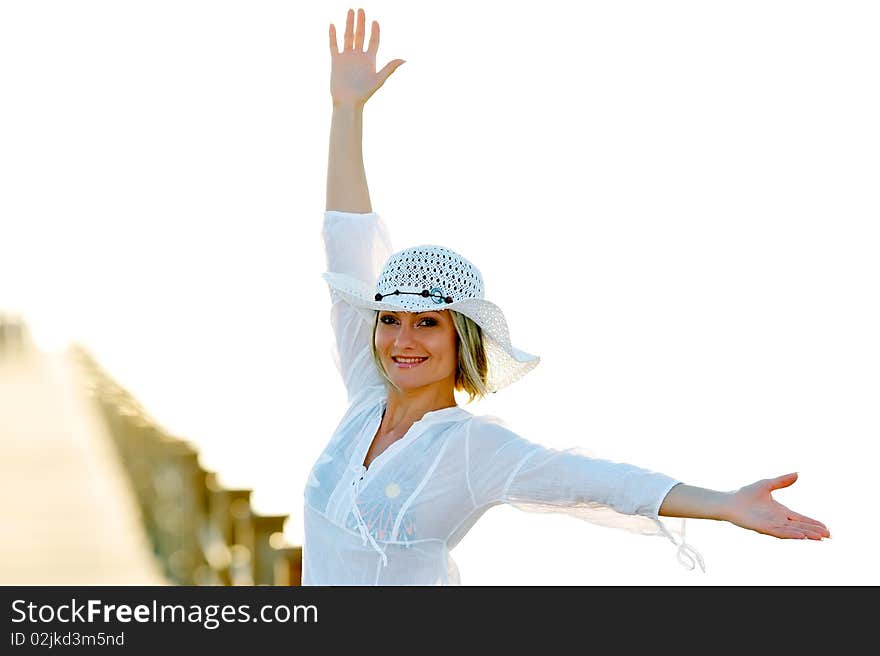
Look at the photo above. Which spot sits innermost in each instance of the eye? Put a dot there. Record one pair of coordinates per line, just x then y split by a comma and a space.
388, 319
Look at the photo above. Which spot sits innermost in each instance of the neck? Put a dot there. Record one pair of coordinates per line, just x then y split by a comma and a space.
406, 407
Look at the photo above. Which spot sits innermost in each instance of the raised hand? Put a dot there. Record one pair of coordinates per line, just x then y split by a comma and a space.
353, 77
754, 508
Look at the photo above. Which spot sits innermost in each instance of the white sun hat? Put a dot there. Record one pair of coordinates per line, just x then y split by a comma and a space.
430, 278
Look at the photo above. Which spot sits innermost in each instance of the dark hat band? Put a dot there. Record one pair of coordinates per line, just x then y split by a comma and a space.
425, 293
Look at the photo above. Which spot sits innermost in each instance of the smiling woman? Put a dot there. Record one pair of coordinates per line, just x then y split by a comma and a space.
408, 472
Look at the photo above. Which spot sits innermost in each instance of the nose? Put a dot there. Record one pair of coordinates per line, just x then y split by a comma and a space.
405, 335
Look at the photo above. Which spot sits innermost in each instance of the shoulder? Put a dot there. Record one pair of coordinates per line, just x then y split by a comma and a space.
491, 434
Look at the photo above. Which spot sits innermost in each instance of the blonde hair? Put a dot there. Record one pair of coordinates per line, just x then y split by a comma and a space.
473, 365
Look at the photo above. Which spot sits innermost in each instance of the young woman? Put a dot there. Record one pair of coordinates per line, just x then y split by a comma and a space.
408, 472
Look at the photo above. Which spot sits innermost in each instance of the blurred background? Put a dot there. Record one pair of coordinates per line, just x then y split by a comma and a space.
675, 203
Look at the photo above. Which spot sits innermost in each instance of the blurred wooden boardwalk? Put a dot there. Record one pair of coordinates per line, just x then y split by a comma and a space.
70, 516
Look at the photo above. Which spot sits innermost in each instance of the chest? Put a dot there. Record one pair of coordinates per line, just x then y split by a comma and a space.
397, 487
380, 443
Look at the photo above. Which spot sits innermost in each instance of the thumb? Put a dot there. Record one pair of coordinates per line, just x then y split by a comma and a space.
389, 68
783, 481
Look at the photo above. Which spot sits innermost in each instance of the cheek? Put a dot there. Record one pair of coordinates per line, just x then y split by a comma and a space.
381, 339
447, 343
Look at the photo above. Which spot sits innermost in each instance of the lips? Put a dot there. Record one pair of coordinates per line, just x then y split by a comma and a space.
408, 363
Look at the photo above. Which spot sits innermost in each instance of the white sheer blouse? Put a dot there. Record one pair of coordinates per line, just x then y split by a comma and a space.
396, 522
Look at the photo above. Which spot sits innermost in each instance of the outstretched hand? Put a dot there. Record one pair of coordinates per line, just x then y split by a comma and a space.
353, 77
754, 508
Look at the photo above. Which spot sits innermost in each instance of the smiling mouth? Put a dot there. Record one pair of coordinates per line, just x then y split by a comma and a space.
406, 363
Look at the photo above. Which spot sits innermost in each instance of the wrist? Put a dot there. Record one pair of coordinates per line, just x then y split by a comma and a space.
348, 106
723, 506
697, 503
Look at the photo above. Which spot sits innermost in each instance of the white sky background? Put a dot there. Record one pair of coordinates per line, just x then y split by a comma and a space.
675, 203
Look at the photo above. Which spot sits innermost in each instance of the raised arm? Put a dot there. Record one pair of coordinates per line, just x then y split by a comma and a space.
355, 238
353, 80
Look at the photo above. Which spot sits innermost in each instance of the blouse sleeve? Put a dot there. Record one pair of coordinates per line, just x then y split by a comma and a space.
506, 468
357, 245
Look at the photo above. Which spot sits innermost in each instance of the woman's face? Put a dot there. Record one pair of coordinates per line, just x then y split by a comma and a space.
428, 336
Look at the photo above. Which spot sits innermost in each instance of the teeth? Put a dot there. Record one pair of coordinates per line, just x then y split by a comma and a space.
408, 360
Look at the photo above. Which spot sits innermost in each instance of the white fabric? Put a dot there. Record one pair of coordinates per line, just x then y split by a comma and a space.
396, 522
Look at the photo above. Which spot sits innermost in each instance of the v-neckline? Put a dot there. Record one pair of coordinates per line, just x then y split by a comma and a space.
374, 429
373, 439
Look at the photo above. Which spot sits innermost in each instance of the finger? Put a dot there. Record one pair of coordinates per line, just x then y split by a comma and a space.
334, 47
783, 481
821, 529
789, 532
359, 34
808, 520
373, 46
786, 533
813, 534
388, 69
807, 526
349, 30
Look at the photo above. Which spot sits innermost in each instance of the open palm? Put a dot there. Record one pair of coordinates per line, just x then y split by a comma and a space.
754, 508
353, 77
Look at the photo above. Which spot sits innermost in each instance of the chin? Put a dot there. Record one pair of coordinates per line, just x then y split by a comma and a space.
410, 383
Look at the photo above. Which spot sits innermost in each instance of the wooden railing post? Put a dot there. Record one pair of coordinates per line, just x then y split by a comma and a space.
242, 549
202, 532
288, 563
265, 528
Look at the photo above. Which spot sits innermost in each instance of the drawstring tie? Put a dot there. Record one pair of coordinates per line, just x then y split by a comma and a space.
362, 525
687, 556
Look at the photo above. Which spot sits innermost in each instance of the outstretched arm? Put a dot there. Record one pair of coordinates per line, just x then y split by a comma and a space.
750, 507
353, 80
